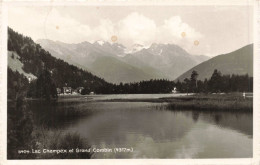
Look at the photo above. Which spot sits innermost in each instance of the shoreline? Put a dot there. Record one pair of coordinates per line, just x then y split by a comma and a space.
202, 102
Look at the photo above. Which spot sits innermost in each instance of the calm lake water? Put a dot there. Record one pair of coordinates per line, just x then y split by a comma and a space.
151, 131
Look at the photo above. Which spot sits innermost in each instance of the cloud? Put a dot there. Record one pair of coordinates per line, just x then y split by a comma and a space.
171, 32
58, 27
25, 20
133, 28
175, 26
103, 31
137, 28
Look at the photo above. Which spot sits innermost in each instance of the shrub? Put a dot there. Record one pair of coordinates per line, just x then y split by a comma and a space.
54, 140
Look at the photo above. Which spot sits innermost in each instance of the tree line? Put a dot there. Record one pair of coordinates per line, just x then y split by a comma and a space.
142, 87
216, 83
44, 86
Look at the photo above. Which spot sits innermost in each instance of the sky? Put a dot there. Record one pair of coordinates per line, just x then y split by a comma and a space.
200, 30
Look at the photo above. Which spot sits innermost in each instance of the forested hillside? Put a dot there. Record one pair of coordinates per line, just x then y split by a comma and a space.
238, 62
35, 60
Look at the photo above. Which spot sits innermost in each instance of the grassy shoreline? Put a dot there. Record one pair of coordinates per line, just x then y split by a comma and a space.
219, 102
202, 102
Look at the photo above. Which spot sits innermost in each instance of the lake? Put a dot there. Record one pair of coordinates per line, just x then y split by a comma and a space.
148, 129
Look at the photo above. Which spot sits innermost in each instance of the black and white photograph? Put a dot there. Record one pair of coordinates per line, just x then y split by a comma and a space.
129, 81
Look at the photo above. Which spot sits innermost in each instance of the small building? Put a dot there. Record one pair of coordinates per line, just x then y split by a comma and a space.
58, 91
174, 90
29, 79
67, 90
79, 89
91, 93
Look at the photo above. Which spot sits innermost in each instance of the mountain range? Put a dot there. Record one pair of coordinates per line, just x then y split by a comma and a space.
116, 64
28, 60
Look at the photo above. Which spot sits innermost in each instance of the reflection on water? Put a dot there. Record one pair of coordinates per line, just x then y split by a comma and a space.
152, 133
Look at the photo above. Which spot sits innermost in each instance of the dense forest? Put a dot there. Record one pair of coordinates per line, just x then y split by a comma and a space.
216, 84
151, 86
17, 85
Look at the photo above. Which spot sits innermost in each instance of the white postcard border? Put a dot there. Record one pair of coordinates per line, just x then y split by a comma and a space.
3, 80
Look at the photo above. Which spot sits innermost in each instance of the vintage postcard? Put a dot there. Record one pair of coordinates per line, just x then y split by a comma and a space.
140, 82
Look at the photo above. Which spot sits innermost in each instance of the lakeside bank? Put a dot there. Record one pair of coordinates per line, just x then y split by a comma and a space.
203, 102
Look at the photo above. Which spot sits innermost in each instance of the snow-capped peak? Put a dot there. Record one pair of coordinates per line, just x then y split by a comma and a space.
135, 48
160, 53
100, 42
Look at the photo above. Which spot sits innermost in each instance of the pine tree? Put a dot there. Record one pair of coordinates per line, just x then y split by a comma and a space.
193, 81
215, 82
45, 87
